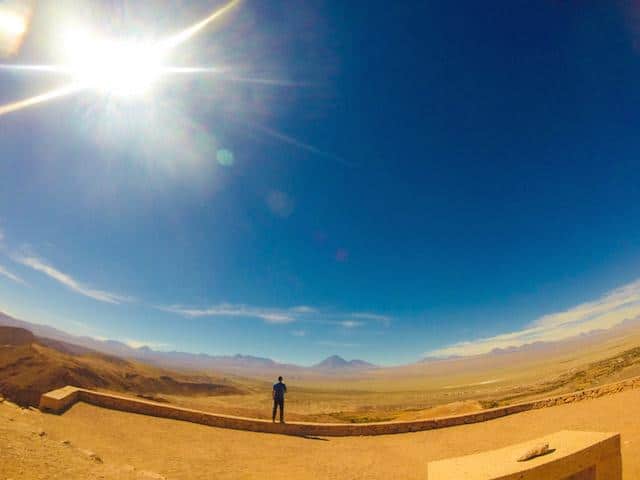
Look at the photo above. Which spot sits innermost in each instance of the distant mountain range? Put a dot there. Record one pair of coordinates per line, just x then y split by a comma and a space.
252, 366
546, 348
240, 364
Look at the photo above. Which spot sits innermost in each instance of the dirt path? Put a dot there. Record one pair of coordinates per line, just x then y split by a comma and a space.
137, 447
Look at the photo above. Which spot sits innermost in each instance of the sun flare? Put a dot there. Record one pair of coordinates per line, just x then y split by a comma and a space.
114, 67
118, 67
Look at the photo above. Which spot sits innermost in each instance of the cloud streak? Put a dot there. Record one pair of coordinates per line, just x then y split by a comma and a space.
6, 273
384, 319
351, 323
143, 343
303, 309
273, 316
608, 311
68, 281
300, 313
329, 343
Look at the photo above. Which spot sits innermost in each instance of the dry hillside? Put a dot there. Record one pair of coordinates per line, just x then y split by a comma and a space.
30, 366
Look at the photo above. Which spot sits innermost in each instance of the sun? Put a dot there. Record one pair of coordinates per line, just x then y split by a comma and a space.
117, 67
112, 67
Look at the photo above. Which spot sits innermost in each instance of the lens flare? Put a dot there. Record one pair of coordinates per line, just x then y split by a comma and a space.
35, 100
14, 24
194, 29
115, 67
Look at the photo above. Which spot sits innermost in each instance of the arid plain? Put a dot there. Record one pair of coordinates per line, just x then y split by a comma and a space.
437, 387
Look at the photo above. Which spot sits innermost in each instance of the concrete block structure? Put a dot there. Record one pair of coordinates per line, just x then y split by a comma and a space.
57, 401
572, 456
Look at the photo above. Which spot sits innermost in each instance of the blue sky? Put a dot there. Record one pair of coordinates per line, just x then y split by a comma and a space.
411, 178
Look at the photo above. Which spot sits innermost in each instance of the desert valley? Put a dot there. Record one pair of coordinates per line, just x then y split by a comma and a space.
98, 443
334, 391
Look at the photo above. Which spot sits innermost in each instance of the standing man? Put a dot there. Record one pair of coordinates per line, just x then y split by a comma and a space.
279, 389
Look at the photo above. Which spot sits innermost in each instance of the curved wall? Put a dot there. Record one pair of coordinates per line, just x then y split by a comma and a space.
57, 401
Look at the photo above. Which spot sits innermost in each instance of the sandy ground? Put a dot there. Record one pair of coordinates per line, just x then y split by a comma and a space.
137, 447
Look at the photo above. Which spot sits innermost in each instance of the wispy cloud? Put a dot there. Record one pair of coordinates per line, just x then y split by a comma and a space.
384, 319
144, 343
299, 313
607, 312
68, 281
351, 323
274, 316
6, 273
298, 333
303, 309
329, 343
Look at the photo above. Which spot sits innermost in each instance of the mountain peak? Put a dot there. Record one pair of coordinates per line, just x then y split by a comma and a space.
337, 362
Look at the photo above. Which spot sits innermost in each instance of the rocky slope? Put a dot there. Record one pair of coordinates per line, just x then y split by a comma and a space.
31, 365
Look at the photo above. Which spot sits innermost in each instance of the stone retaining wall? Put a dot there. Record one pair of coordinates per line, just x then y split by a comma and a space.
59, 400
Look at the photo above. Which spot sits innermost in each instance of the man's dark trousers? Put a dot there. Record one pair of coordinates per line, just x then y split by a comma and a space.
278, 402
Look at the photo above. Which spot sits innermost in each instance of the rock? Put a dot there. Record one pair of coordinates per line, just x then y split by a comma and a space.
536, 451
92, 456
42, 433
66, 442
95, 458
151, 475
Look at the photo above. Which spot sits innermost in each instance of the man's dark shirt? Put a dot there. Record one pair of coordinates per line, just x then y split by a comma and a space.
279, 389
